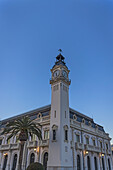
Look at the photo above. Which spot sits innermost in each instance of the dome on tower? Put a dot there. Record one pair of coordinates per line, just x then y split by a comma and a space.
60, 60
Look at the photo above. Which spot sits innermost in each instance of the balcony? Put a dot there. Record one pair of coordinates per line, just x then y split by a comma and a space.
79, 146
14, 146
92, 148
6, 147
32, 144
44, 143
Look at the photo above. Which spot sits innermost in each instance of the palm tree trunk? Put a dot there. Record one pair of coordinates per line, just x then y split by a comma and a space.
21, 155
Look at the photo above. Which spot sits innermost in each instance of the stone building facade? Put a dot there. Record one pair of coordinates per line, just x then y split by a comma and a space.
71, 140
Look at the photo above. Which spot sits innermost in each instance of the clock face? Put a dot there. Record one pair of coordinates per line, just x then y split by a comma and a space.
64, 73
56, 73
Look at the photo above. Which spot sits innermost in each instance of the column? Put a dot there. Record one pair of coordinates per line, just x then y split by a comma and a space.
85, 162
98, 163
24, 156
92, 162
18, 158
8, 161
1, 156
105, 161
100, 160
73, 150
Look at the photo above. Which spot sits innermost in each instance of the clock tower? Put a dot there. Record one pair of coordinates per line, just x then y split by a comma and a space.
60, 154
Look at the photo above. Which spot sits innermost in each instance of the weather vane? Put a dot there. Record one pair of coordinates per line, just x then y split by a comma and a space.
60, 50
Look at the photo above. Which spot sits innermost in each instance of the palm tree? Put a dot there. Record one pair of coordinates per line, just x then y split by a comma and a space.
25, 127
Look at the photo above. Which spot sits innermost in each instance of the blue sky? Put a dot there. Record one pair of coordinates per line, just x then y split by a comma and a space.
32, 31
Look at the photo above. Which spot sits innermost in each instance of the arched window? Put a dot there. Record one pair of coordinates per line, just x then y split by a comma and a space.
66, 135
45, 159
5, 162
78, 162
95, 163
14, 162
103, 166
32, 158
109, 164
54, 134
88, 163
54, 128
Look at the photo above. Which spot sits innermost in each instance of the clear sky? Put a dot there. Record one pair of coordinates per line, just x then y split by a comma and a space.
32, 31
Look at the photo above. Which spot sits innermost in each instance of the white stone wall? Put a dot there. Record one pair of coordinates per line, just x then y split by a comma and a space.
74, 152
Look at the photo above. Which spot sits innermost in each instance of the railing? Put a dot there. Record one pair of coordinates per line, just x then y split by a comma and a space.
92, 148
44, 143
32, 144
6, 147
79, 146
15, 146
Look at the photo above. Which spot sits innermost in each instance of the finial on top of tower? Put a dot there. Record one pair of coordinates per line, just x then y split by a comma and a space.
60, 50
60, 57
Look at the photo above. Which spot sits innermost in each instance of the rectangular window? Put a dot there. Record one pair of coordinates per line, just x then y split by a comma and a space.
8, 141
46, 134
17, 140
65, 114
54, 134
94, 144
0, 141
33, 138
106, 146
87, 140
66, 134
55, 114
100, 144
77, 138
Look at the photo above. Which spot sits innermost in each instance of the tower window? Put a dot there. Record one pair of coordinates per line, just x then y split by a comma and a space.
54, 134
55, 114
66, 135
54, 129
65, 114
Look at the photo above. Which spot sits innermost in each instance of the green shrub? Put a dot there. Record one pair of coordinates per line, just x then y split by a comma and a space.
35, 166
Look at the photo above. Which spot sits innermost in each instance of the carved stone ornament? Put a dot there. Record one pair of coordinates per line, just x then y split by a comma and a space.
66, 127
54, 127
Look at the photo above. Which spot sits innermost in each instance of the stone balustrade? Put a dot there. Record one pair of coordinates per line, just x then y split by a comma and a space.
44, 143
6, 147
79, 146
92, 148
32, 144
